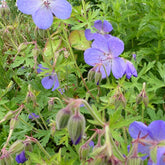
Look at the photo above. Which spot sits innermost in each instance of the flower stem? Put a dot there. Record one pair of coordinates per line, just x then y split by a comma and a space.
74, 60
93, 114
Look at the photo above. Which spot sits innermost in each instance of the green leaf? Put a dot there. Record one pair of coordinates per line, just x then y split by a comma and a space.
78, 41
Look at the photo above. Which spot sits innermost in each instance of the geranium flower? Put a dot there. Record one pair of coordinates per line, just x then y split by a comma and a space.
105, 52
42, 11
21, 157
33, 115
50, 81
101, 28
149, 137
130, 70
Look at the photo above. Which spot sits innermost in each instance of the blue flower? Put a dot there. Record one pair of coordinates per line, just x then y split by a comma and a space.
91, 144
21, 157
33, 115
149, 137
130, 70
105, 52
50, 81
42, 11
101, 28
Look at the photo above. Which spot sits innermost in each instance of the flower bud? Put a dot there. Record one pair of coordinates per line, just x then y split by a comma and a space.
9, 160
84, 151
2, 161
53, 128
62, 117
30, 97
8, 116
99, 160
13, 123
16, 147
135, 161
98, 77
50, 104
91, 74
76, 127
143, 97
28, 147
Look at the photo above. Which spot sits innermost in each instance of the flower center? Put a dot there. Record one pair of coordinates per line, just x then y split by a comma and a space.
46, 3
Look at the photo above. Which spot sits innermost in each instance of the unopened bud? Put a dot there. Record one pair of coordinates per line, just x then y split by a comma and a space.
8, 116
62, 117
50, 104
28, 147
30, 97
145, 100
76, 127
139, 99
2, 161
13, 123
16, 147
99, 160
135, 161
98, 77
91, 74
53, 128
143, 97
84, 151
9, 160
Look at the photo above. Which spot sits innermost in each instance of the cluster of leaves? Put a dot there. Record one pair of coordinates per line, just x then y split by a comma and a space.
140, 24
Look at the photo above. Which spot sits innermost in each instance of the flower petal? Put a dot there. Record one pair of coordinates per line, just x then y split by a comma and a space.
107, 27
138, 129
118, 67
43, 17
101, 43
21, 157
98, 25
116, 46
47, 82
56, 83
161, 156
93, 56
89, 36
29, 6
62, 9
130, 70
39, 70
157, 128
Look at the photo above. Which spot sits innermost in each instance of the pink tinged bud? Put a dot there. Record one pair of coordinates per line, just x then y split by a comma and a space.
91, 74
28, 147
98, 77
9, 160
62, 117
53, 128
143, 97
16, 147
13, 123
50, 104
2, 161
76, 127
84, 151
135, 161
30, 97
8, 116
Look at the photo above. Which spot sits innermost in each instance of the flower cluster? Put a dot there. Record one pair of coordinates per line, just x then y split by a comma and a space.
150, 140
42, 11
104, 52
